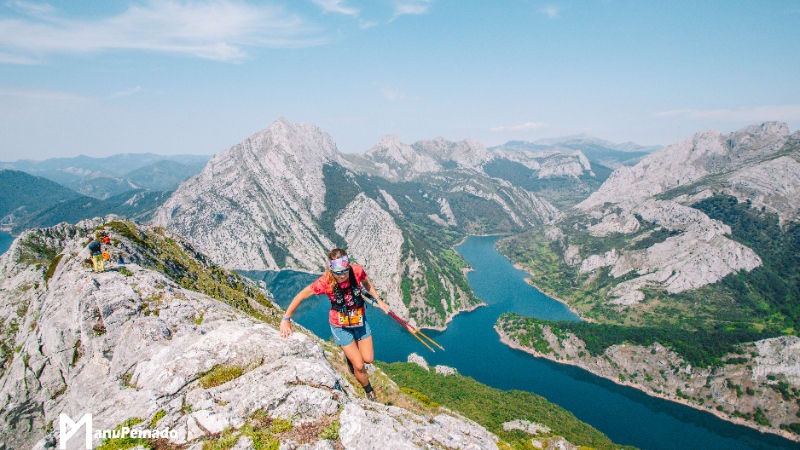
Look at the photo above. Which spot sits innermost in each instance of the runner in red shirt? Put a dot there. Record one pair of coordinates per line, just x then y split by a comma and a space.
343, 283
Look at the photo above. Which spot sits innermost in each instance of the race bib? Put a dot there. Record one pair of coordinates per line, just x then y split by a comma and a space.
352, 318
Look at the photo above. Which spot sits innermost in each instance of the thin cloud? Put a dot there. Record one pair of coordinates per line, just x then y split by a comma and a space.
523, 127
391, 94
6, 58
365, 24
32, 94
550, 11
741, 114
218, 30
31, 9
411, 7
126, 92
336, 6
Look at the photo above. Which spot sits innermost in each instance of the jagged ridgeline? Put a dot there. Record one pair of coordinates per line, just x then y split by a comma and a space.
169, 343
285, 196
693, 254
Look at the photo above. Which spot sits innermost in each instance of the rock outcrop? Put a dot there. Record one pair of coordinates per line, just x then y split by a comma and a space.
134, 346
700, 255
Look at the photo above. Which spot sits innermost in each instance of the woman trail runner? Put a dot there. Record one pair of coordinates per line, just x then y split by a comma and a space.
343, 282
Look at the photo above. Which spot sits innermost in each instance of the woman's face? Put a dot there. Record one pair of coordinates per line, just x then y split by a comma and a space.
341, 278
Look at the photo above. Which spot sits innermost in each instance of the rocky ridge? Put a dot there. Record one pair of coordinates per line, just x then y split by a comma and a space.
747, 389
688, 161
134, 346
396, 161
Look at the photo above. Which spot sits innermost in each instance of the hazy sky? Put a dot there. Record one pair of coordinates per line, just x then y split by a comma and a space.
100, 77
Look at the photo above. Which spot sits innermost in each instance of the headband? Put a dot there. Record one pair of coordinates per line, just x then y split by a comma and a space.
339, 265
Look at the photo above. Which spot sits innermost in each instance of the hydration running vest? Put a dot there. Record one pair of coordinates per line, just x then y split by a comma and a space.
339, 303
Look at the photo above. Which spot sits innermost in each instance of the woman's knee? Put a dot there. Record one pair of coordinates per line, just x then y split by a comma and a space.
367, 359
358, 366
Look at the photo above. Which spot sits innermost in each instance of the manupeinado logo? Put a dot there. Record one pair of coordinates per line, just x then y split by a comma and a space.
68, 427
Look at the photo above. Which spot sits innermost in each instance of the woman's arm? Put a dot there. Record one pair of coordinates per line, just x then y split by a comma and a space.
371, 288
286, 323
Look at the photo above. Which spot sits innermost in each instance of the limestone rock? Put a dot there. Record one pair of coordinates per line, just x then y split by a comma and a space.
526, 426
392, 427
778, 356
418, 360
624, 223
445, 370
594, 262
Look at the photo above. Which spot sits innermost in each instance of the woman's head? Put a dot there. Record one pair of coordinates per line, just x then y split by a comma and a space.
338, 266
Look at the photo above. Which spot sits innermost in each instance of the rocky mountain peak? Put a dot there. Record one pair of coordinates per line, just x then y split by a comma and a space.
682, 163
304, 140
764, 137
467, 153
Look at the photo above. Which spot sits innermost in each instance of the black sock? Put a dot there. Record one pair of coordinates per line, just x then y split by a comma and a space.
368, 388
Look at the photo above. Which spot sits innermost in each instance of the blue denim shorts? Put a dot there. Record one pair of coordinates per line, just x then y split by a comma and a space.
344, 336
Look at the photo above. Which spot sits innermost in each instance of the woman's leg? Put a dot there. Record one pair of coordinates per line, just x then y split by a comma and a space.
365, 349
351, 351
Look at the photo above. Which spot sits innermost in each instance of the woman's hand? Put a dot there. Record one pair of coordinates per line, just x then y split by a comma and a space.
286, 328
383, 306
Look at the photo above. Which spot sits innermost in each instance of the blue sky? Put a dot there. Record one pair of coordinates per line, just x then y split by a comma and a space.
97, 77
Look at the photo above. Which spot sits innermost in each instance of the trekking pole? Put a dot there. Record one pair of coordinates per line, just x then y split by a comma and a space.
411, 329
420, 332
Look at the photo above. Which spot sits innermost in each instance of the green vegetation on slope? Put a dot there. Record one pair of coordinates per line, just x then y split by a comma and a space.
701, 348
190, 269
492, 407
561, 192
21, 190
138, 205
772, 291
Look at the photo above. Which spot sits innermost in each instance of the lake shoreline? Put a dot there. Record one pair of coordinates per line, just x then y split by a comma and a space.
464, 270
572, 309
738, 421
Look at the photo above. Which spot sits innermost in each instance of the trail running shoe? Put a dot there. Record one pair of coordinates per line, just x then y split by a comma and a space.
371, 396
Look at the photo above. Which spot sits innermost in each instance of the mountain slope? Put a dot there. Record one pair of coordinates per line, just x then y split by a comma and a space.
137, 205
22, 195
690, 160
163, 175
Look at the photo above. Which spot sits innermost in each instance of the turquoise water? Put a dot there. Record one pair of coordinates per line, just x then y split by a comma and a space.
5, 241
472, 346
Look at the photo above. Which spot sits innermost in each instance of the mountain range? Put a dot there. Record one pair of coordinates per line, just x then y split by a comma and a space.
102, 178
286, 195
28, 201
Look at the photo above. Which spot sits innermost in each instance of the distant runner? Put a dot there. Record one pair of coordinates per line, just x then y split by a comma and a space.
97, 255
343, 282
